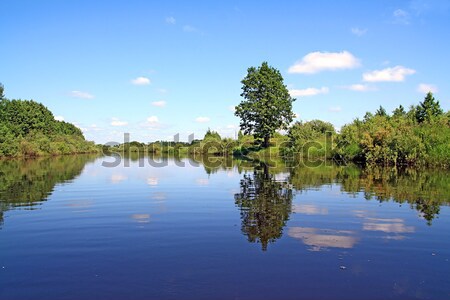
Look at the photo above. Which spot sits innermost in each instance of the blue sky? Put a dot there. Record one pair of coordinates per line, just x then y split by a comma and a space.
154, 68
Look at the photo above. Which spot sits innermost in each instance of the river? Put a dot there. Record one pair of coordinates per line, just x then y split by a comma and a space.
74, 227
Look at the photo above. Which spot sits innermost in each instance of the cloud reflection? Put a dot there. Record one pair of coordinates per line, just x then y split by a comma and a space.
202, 181
152, 181
159, 197
394, 227
387, 225
116, 178
141, 218
319, 239
80, 205
308, 209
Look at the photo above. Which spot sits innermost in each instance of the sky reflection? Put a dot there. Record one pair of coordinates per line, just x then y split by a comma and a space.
320, 239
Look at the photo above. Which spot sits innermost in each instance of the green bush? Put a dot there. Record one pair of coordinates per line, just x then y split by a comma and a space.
28, 128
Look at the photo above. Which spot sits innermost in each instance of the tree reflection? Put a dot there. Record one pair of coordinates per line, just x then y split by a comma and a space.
27, 182
265, 205
424, 190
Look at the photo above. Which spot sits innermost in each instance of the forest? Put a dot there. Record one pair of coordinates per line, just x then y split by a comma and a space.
419, 136
28, 128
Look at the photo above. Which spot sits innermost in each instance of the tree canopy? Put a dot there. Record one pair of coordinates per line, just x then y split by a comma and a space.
428, 109
267, 105
2, 89
28, 128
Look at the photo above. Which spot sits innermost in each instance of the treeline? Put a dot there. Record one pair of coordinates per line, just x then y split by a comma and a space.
211, 144
28, 128
418, 136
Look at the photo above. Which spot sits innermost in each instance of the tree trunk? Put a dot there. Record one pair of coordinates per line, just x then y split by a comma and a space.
266, 141
266, 171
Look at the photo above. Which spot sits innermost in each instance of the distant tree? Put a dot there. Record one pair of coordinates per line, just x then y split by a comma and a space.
240, 135
212, 135
381, 112
2, 90
267, 105
411, 113
68, 129
399, 111
428, 109
368, 116
321, 126
28, 129
24, 116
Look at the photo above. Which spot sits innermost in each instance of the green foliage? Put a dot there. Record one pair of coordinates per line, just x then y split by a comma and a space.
267, 105
399, 112
2, 91
418, 137
65, 128
212, 135
428, 110
28, 128
309, 139
381, 112
22, 117
240, 135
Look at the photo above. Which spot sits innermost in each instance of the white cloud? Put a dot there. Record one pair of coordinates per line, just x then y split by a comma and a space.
94, 127
358, 31
141, 81
401, 17
308, 92
359, 87
117, 122
82, 95
189, 28
161, 103
202, 119
320, 61
59, 118
232, 108
395, 74
421, 7
425, 88
88, 128
151, 122
171, 20
335, 109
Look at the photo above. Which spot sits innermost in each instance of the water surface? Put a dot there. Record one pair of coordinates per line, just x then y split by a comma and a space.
74, 229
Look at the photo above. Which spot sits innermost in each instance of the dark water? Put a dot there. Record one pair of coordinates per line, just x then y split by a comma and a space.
73, 229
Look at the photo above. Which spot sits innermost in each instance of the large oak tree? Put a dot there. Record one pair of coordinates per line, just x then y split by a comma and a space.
267, 105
